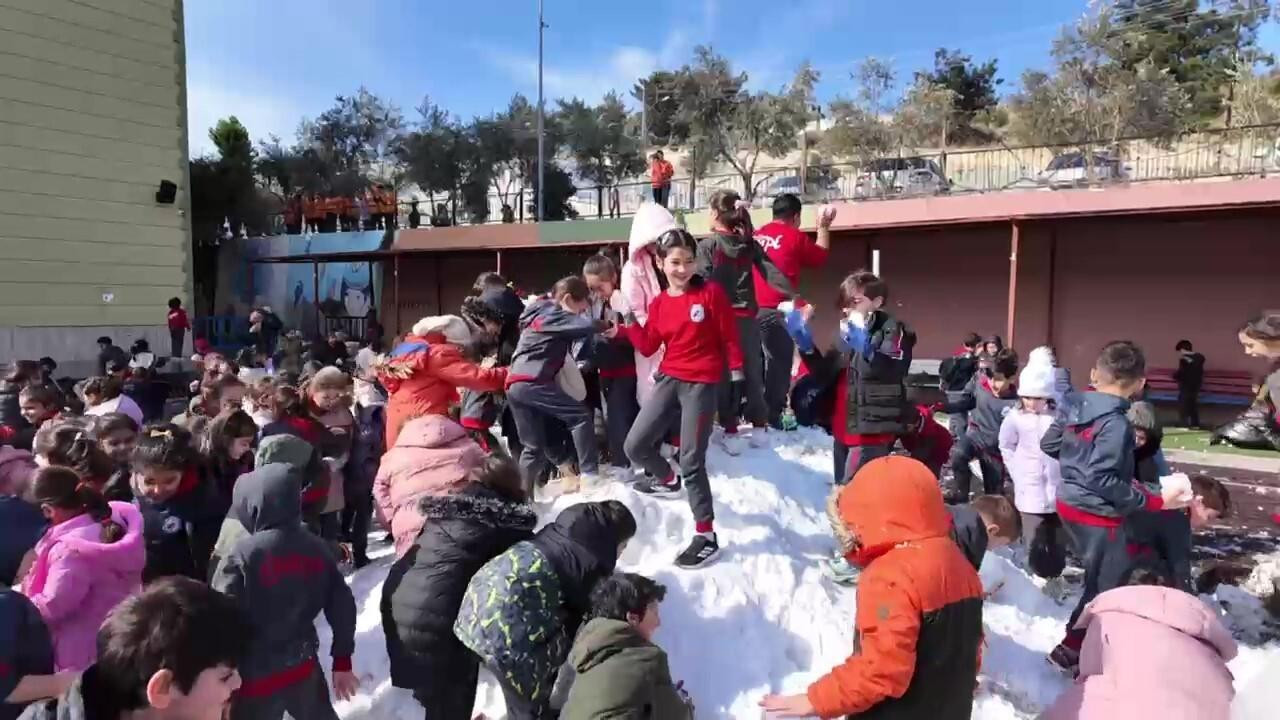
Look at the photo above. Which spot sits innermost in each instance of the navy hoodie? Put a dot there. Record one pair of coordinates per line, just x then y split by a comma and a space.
283, 576
547, 334
25, 646
1093, 443
21, 525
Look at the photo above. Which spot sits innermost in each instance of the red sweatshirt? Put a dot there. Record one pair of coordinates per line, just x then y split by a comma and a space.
792, 251
697, 328
178, 319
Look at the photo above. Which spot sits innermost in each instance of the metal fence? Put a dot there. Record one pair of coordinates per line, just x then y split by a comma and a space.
1231, 152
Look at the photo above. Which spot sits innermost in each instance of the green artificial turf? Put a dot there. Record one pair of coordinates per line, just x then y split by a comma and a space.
1198, 440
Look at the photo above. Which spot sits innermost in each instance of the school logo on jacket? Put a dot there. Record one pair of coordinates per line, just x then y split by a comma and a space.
697, 313
172, 524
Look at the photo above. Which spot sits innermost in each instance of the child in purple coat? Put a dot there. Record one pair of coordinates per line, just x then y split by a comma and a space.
89, 559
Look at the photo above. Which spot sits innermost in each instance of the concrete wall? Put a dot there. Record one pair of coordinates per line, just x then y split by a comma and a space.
92, 118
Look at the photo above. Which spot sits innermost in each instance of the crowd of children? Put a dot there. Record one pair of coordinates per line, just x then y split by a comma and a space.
180, 566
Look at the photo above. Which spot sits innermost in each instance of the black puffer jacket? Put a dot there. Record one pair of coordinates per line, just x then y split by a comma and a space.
10, 408
424, 588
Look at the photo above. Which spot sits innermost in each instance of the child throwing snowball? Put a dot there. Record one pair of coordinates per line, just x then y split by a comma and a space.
695, 326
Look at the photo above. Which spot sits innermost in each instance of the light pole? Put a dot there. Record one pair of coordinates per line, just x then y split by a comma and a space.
542, 187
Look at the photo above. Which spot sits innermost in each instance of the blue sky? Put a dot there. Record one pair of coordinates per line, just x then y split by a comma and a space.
272, 63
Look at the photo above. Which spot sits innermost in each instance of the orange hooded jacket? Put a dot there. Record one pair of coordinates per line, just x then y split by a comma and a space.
918, 627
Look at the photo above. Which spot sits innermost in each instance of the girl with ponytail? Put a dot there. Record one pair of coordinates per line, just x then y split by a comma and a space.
71, 444
89, 559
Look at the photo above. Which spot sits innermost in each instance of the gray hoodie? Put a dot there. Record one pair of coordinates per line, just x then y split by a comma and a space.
1093, 442
547, 333
731, 260
283, 576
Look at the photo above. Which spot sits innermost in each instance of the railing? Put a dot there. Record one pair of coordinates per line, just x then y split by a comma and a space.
1231, 152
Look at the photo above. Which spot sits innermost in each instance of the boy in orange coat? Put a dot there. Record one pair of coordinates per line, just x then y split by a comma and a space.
422, 374
918, 628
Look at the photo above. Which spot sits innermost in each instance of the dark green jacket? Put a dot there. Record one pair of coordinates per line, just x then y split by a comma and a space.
621, 676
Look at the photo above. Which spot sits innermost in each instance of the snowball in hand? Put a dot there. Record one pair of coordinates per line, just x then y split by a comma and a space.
1179, 482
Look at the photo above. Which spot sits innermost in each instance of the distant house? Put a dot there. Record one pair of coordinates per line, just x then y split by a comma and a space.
94, 234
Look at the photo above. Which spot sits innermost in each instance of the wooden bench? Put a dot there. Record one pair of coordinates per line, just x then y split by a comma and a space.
1221, 387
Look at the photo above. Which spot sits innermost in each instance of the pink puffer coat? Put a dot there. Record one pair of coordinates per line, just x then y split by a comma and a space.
432, 456
1150, 652
639, 283
77, 579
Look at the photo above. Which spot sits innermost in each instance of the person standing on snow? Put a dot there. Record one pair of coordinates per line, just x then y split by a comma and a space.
792, 251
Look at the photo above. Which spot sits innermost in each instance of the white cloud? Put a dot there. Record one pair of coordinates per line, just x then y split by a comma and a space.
591, 79
262, 113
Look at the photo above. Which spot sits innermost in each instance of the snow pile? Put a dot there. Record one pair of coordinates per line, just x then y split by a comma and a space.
763, 618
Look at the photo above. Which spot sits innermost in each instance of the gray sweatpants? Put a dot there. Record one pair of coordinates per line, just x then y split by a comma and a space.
531, 405
779, 355
753, 372
305, 700
696, 405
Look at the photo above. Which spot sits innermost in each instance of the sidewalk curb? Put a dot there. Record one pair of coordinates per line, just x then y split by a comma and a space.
1223, 460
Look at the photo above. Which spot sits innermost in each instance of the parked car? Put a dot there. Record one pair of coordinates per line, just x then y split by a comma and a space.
816, 189
1070, 170
900, 176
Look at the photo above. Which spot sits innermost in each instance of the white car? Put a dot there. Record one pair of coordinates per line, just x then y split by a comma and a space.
1069, 170
816, 190
905, 176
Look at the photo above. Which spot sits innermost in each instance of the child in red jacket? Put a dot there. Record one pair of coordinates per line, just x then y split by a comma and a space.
694, 322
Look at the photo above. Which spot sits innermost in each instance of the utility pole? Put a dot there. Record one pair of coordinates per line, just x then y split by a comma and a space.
542, 187
644, 117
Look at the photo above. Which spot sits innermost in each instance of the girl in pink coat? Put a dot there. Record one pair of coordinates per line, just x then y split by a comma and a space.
432, 456
89, 560
1149, 652
640, 285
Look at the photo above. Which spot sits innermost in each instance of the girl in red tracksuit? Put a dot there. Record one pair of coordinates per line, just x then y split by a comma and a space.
695, 323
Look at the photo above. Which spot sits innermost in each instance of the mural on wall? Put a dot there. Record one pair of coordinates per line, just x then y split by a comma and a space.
346, 289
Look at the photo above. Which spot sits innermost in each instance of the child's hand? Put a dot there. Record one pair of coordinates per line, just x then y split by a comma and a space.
610, 332
788, 705
345, 685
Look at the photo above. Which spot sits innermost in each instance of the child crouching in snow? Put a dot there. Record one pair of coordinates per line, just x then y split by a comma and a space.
620, 671
1149, 651
694, 325
986, 523
424, 588
522, 610
283, 576
918, 627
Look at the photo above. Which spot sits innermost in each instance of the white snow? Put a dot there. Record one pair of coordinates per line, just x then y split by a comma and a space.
764, 618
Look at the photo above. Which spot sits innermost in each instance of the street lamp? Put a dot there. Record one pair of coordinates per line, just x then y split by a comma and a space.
542, 187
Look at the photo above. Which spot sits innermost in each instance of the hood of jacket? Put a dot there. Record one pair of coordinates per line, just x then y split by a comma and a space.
582, 545
286, 449
430, 431
269, 497
1172, 607
731, 245
969, 532
604, 638
650, 221
503, 301
481, 504
889, 502
1090, 406
125, 555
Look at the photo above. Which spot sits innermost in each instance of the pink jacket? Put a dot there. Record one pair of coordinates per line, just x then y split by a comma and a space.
77, 579
1035, 475
1150, 652
432, 456
639, 283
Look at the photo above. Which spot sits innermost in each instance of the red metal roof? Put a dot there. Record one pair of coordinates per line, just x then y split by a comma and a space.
1145, 198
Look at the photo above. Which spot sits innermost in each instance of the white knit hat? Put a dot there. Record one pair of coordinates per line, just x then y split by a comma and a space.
453, 328
1037, 381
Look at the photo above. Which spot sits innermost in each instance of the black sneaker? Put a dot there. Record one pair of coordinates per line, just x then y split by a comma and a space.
657, 488
1066, 660
701, 551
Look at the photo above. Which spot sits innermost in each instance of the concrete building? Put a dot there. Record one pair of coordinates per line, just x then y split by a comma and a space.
92, 123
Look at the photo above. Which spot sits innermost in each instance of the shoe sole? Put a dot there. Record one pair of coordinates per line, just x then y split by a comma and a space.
661, 494
708, 561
